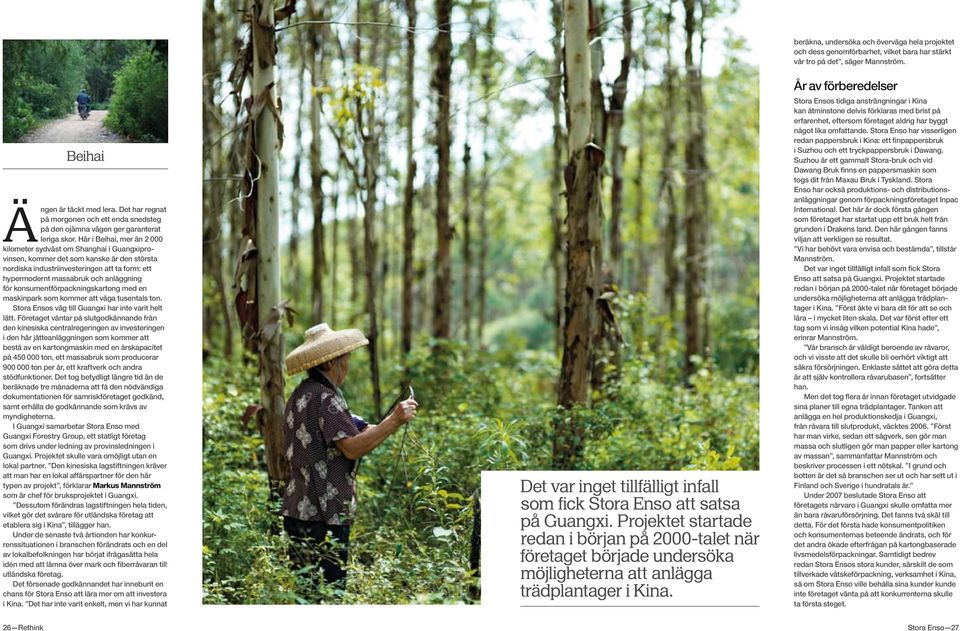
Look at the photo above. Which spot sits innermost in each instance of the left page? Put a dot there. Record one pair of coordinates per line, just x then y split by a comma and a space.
100, 297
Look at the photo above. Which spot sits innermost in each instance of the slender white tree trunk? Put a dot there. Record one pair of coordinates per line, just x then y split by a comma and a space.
268, 236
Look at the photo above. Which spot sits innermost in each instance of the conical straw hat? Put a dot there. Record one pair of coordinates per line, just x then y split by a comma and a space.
323, 344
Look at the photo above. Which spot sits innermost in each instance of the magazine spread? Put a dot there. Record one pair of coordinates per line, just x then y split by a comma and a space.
456, 305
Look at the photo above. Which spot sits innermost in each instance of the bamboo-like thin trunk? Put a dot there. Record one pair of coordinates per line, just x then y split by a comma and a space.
268, 237
556, 174
640, 275
409, 233
214, 219
615, 115
618, 100
370, 269
467, 254
599, 114
693, 198
441, 85
666, 193
209, 241
468, 180
380, 54
369, 134
705, 221
317, 197
294, 258
584, 237
353, 249
422, 312
598, 351
334, 227
485, 175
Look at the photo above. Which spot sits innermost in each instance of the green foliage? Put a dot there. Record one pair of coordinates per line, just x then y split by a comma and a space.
410, 541
526, 328
480, 410
491, 404
41, 79
104, 59
139, 103
358, 92
657, 426
712, 461
18, 119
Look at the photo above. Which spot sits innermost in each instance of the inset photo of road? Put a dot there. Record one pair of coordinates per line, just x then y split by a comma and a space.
84, 91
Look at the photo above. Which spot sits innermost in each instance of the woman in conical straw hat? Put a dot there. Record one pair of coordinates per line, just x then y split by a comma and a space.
323, 442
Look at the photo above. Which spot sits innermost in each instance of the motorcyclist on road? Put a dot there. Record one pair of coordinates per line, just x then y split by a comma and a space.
83, 101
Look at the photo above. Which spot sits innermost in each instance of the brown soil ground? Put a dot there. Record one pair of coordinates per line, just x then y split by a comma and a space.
72, 129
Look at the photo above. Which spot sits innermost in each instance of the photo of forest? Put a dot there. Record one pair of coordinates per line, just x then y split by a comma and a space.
121, 83
542, 215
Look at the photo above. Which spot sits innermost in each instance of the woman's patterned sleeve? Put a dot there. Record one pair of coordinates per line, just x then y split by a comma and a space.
335, 419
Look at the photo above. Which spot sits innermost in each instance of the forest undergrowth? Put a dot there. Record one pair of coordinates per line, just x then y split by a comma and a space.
480, 410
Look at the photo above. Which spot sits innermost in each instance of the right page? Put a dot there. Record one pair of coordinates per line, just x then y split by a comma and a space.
859, 267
